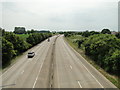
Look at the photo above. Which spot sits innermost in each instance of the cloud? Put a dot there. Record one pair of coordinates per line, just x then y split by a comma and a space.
60, 14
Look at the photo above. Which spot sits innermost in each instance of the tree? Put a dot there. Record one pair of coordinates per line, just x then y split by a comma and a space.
86, 34
118, 35
36, 38
7, 51
19, 44
104, 49
105, 31
19, 30
93, 32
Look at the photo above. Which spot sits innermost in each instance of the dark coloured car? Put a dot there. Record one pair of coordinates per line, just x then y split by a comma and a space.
48, 40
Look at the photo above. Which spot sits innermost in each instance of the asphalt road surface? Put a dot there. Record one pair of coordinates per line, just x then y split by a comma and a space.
55, 65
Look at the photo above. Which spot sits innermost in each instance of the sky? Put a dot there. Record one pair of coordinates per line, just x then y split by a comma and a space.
59, 15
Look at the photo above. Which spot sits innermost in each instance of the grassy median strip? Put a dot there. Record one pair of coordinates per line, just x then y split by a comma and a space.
112, 78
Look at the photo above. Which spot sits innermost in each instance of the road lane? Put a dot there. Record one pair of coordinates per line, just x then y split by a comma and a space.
82, 74
55, 65
30, 67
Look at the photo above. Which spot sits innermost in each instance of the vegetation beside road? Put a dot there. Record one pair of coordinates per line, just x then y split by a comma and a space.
100, 49
23, 36
15, 44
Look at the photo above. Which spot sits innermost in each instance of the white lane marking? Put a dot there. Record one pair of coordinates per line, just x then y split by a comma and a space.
37, 75
17, 63
10, 68
86, 68
7, 70
70, 66
92, 75
35, 82
79, 84
22, 72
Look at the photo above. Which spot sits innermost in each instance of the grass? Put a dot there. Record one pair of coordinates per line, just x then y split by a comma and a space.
112, 78
23, 36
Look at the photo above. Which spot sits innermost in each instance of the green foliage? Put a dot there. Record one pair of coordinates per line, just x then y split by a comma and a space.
86, 34
104, 49
36, 31
80, 42
113, 60
15, 44
94, 32
7, 51
66, 34
36, 38
23, 36
118, 35
105, 31
19, 44
19, 30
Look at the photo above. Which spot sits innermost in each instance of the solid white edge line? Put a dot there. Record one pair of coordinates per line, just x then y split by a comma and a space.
86, 68
70, 66
14, 64
92, 75
79, 84
7, 70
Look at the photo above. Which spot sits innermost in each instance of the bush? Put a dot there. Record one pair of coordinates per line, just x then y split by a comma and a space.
13, 45
7, 51
18, 43
105, 31
118, 35
104, 49
36, 38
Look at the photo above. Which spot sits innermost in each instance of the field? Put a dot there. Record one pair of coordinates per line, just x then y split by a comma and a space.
23, 36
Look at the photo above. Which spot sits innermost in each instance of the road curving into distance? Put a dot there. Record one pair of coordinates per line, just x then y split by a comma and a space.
55, 65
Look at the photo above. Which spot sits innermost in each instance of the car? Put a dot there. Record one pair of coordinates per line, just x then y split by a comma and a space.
48, 39
31, 54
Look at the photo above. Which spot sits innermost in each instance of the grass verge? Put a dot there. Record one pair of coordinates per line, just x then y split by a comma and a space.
111, 78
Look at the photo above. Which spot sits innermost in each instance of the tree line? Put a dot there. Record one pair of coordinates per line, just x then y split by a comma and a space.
102, 47
13, 45
22, 30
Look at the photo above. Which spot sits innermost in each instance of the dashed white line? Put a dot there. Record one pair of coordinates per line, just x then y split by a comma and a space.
79, 84
35, 82
37, 76
7, 70
22, 72
70, 66
86, 68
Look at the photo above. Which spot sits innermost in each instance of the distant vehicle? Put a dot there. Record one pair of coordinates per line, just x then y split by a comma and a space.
48, 39
31, 54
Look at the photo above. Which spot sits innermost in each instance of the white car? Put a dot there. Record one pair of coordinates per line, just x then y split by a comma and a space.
31, 54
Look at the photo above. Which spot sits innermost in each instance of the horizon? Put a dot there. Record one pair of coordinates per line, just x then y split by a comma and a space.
62, 15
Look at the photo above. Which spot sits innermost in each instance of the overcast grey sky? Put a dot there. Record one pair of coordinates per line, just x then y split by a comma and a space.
60, 14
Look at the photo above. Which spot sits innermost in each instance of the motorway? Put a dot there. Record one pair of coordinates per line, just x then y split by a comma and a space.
55, 65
